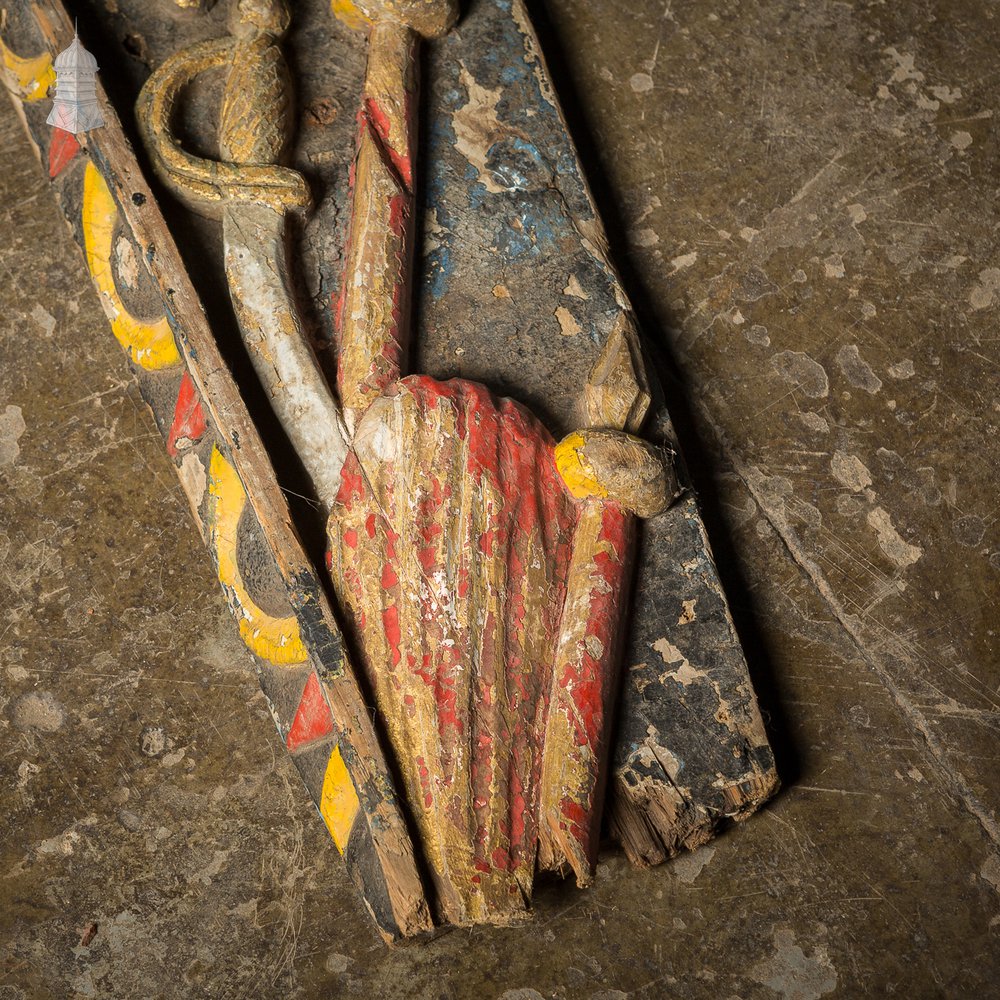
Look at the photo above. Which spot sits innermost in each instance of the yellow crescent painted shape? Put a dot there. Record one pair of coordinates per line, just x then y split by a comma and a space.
150, 345
277, 640
32, 75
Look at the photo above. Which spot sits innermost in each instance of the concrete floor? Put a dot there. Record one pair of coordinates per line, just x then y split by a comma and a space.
803, 200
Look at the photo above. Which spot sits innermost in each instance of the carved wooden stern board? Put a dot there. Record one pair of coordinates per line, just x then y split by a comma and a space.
515, 291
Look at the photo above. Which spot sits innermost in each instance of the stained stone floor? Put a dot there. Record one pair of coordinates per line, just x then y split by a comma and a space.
803, 199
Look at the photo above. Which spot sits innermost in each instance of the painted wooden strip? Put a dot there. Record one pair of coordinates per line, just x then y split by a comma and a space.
237, 502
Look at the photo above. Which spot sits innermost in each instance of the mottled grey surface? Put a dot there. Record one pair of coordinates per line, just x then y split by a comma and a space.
804, 199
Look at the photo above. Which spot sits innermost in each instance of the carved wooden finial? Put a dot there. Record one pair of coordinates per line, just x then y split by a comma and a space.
617, 390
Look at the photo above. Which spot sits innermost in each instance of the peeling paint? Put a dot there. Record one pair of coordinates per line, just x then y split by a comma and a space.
794, 974
684, 673
477, 127
850, 471
856, 370
805, 373
568, 326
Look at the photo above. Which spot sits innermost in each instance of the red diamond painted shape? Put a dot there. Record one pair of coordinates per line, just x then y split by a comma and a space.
62, 149
313, 719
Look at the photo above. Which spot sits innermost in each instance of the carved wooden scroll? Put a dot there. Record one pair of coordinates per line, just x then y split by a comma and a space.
484, 578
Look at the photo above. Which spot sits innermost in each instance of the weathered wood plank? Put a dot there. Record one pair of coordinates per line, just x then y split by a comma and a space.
282, 611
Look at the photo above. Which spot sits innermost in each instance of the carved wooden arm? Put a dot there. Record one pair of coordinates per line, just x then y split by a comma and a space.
372, 318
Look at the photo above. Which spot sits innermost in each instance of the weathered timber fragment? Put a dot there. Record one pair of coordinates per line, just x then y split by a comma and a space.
486, 596
282, 612
521, 294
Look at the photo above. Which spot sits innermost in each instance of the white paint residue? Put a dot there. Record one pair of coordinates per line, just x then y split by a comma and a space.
646, 238
44, 319
12, 426
890, 541
685, 673
857, 213
477, 126
850, 471
856, 370
193, 478
803, 372
433, 230
685, 260
905, 70
961, 140
990, 872
26, 770
947, 95
128, 264
833, 266
792, 973
688, 867
902, 370
641, 83
814, 422
985, 293
62, 843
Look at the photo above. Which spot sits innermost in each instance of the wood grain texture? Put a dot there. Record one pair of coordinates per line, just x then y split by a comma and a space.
372, 312
450, 545
487, 594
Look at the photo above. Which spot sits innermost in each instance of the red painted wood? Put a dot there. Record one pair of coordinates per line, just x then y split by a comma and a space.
62, 149
313, 720
189, 418
472, 506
